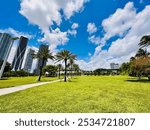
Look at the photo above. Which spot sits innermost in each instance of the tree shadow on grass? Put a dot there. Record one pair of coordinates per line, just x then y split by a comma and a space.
4, 79
71, 80
138, 81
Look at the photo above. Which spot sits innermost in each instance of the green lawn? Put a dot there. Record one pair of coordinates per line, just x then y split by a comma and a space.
82, 94
11, 82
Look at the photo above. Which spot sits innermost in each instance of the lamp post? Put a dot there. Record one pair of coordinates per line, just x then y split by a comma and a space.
6, 57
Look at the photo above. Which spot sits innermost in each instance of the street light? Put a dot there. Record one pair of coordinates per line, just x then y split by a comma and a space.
6, 57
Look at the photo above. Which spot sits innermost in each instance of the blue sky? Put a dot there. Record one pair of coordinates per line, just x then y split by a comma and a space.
64, 25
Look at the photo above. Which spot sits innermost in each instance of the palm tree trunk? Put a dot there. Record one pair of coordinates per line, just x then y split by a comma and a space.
65, 71
59, 74
40, 74
71, 70
139, 76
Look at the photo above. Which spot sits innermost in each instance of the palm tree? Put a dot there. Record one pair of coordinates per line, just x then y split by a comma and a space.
145, 41
59, 69
64, 56
43, 55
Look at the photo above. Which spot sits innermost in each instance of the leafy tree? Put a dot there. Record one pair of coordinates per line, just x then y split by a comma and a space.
145, 41
51, 69
65, 55
132, 59
141, 66
141, 52
7, 67
76, 68
43, 54
19, 73
125, 68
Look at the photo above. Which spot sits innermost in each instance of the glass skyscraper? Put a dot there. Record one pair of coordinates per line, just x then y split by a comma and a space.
5, 41
29, 60
18, 59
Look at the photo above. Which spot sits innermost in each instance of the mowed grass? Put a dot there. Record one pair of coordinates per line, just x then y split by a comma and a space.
85, 94
16, 81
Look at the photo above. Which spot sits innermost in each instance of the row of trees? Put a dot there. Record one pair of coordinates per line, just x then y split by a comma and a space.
44, 54
63, 56
57, 70
139, 65
99, 72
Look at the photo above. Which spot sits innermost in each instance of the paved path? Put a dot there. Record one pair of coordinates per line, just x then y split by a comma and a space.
5, 91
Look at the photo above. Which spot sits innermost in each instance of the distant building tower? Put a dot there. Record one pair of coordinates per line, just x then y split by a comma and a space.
5, 41
39, 61
18, 59
29, 60
114, 66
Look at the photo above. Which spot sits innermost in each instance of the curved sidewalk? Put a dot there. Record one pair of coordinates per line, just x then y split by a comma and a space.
5, 91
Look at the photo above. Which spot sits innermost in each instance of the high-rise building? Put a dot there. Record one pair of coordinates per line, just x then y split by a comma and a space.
18, 59
39, 61
29, 60
114, 66
5, 42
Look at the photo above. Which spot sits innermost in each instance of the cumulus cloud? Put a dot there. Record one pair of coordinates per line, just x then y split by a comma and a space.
73, 30
45, 13
94, 39
55, 38
130, 26
16, 33
120, 22
91, 28
138, 28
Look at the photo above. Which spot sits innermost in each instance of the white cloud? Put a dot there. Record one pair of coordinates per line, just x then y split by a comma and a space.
73, 6
91, 28
124, 21
55, 38
129, 43
73, 30
16, 33
44, 13
120, 22
94, 39
74, 26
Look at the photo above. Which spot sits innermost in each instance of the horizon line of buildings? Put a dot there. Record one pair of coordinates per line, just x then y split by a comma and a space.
5, 42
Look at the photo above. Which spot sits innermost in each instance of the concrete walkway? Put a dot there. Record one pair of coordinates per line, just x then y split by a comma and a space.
5, 91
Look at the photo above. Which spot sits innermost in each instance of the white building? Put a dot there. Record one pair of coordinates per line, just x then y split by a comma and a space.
114, 66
